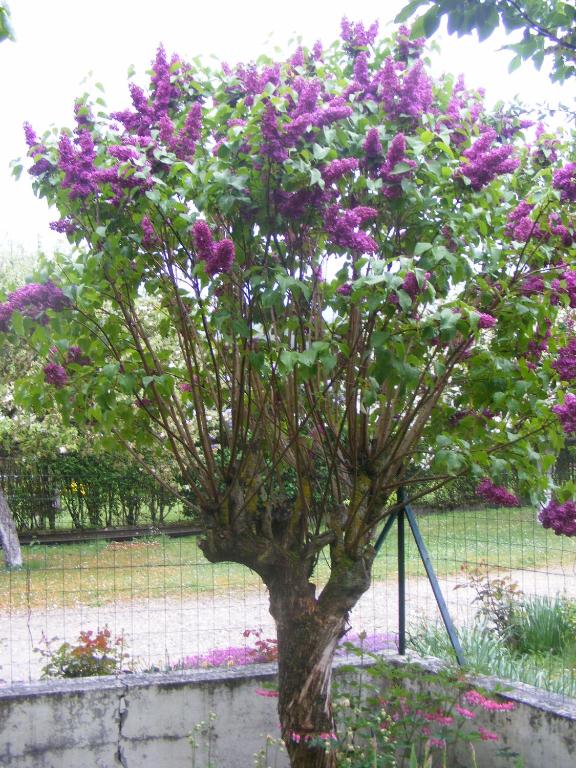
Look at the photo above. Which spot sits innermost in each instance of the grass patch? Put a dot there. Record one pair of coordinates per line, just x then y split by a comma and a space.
487, 654
97, 573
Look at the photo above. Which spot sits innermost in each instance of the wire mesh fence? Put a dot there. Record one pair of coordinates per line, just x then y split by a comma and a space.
172, 608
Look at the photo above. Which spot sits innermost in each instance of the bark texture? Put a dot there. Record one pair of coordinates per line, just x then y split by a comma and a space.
9, 541
308, 630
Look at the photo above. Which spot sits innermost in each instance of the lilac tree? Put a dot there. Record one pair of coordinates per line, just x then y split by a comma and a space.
355, 272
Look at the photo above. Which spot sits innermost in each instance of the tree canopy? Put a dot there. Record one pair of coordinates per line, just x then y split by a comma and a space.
362, 280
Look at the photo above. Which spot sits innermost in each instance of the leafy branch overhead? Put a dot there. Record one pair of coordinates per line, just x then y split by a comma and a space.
547, 27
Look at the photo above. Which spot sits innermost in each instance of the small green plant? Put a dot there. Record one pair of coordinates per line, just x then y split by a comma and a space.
498, 597
267, 757
94, 654
405, 717
202, 741
543, 625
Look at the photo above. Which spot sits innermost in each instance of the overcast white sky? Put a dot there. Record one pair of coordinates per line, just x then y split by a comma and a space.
61, 42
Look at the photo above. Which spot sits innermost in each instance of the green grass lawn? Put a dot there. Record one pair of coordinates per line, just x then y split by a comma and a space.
100, 572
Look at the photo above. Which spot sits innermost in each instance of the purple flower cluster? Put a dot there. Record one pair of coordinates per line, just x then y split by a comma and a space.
462, 112
539, 344
149, 239
165, 92
183, 143
37, 151
295, 205
345, 289
75, 356
565, 363
547, 148
532, 285
356, 35
567, 236
496, 494
218, 256
33, 300
273, 145
404, 94
343, 228
486, 321
561, 518
372, 145
564, 179
338, 168
391, 177
484, 162
253, 81
64, 226
77, 162
56, 375
520, 226
567, 414
565, 285
410, 284
408, 48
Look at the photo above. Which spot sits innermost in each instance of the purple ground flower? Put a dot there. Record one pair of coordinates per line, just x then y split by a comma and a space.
496, 494
561, 518
567, 414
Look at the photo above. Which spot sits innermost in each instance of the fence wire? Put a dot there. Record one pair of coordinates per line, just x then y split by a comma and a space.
172, 608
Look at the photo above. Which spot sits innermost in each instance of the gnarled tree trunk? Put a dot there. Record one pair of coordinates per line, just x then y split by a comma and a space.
9, 541
308, 630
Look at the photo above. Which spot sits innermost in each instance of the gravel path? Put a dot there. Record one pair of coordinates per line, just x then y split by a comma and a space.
163, 631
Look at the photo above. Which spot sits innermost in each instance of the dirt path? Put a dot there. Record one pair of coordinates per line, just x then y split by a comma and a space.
163, 631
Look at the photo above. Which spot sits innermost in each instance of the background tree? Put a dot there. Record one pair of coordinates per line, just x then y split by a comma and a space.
359, 267
548, 27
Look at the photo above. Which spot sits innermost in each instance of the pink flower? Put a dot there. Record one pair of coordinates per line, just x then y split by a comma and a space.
437, 743
486, 321
267, 693
439, 717
467, 713
486, 735
477, 699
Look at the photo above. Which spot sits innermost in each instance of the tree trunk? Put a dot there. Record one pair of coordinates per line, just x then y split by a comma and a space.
308, 630
9, 536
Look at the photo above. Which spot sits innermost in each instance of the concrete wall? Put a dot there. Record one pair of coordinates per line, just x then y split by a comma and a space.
145, 721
